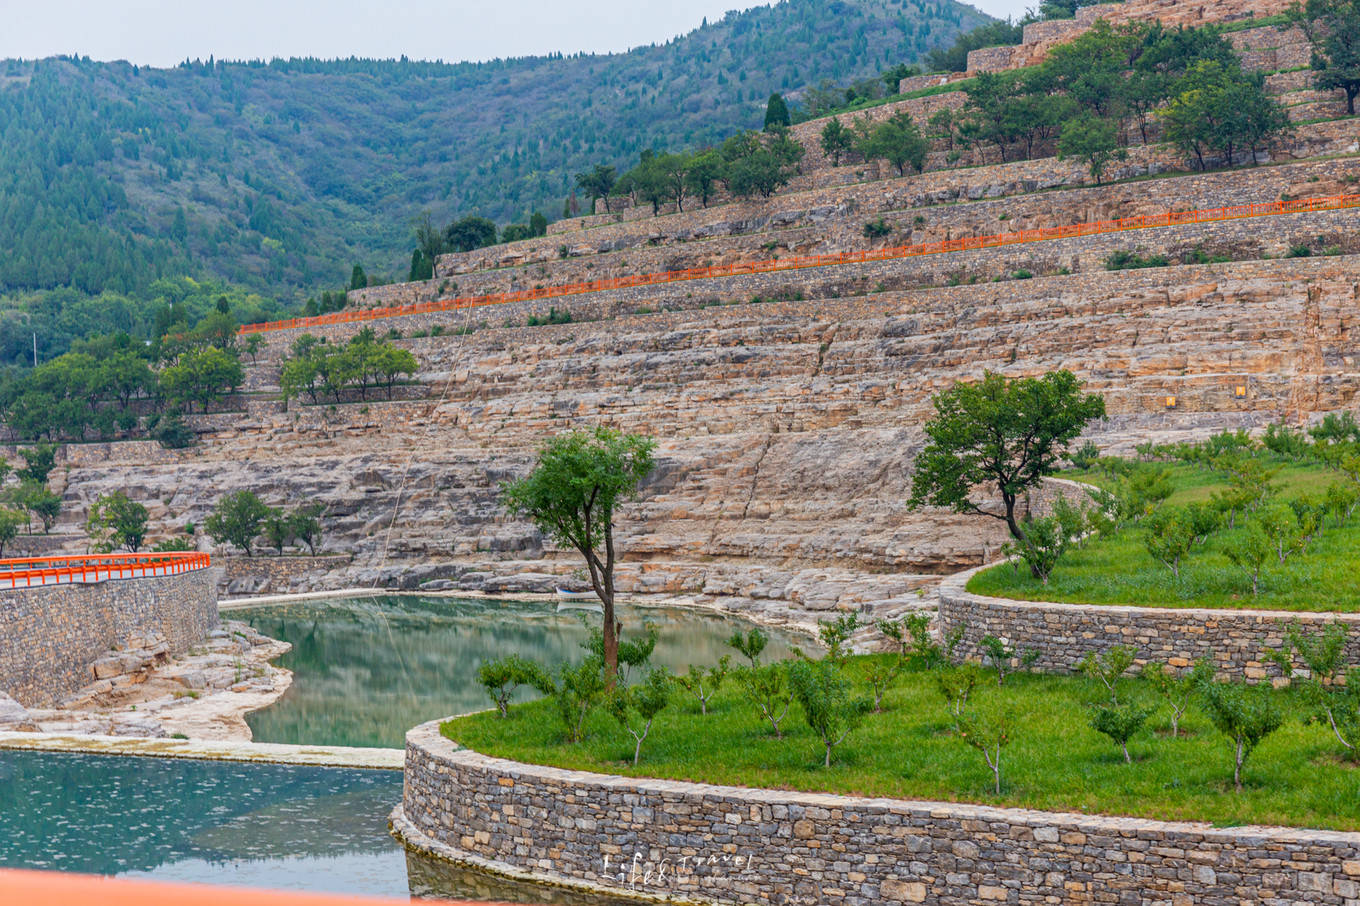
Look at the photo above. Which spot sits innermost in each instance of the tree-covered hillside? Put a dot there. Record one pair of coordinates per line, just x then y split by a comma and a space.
278, 177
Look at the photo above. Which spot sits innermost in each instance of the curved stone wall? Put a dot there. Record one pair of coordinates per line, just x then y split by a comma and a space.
51, 636
686, 841
1063, 634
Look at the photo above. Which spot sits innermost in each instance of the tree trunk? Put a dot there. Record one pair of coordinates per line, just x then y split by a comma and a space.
827, 763
1237, 767
1125, 747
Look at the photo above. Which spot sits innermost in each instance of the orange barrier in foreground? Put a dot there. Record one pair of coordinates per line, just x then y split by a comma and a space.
773, 265
50, 888
38, 571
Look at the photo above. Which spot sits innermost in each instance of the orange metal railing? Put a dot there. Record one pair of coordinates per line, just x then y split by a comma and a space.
38, 571
1043, 234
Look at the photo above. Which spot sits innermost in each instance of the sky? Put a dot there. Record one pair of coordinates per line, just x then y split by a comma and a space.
164, 32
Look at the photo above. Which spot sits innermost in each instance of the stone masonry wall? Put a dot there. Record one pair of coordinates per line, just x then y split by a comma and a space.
1063, 634
50, 636
679, 840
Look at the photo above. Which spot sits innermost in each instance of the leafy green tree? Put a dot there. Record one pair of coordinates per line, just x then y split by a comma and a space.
1093, 139
750, 645
202, 376
9, 527
1119, 722
576, 692
835, 634
1108, 667
39, 461
37, 500
1245, 714
1247, 550
776, 113
304, 525
501, 676
767, 686
252, 345
988, 734
117, 521
1002, 654
357, 278
1177, 687
827, 698
1169, 537
470, 233
1006, 433
636, 707
1046, 540
896, 140
836, 140
277, 530
1220, 108
237, 519
704, 684
1333, 27
706, 170
571, 495
598, 182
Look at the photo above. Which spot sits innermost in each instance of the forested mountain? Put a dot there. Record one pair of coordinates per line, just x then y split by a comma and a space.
277, 177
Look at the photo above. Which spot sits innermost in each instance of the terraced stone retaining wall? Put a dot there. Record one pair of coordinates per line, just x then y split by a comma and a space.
51, 636
1063, 634
735, 845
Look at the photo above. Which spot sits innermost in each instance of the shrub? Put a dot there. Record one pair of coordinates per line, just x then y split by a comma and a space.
174, 543
704, 684
1177, 688
767, 686
1298, 250
1042, 547
1169, 537
173, 434
876, 229
989, 735
576, 692
1107, 667
750, 645
635, 707
829, 706
1022, 274
836, 633
504, 675
1085, 456
1245, 714
1119, 723
1248, 550
1123, 261
552, 317
1001, 655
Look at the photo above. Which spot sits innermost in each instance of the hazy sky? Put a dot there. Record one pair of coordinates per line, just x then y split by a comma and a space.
164, 32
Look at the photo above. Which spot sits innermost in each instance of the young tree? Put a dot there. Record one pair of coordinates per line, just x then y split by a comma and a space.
636, 707
956, 684
576, 692
1248, 550
357, 278
1119, 723
1245, 714
598, 182
38, 500
704, 684
571, 495
1093, 139
1046, 540
237, 519
1007, 433
117, 521
1107, 667
989, 735
706, 170
304, 524
502, 676
1333, 28
39, 460
9, 527
767, 685
829, 705
278, 529
202, 376
896, 140
776, 113
1177, 687
836, 633
1169, 537
1001, 654
836, 140
750, 645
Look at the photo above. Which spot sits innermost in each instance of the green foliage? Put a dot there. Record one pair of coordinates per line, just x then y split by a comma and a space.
552, 317
1045, 541
702, 683
204, 376
1003, 433
35, 499
1170, 536
1107, 667
956, 684
1333, 27
955, 57
1124, 260
172, 433
570, 496
897, 140
1177, 687
989, 735
576, 692
502, 676
366, 362
598, 182
1119, 723
827, 698
767, 687
10, 520
116, 521
836, 633
304, 525
39, 461
469, 233
1001, 654
877, 229
237, 519
1219, 109
836, 140
636, 707
1245, 714
750, 645
1093, 139
776, 113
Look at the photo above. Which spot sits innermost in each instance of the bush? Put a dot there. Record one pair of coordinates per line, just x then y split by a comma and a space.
1119, 723
1085, 456
876, 229
829, 706
1000, 653
576, 692
836, 633
636, 707
1123, 261
552, 317
704, 684
504, 675
1107, 667
173, 434
1245, 714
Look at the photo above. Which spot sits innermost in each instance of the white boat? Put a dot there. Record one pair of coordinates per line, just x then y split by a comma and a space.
578, 600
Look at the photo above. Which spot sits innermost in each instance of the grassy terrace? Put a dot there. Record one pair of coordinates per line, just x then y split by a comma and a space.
1055, 760
1119, 570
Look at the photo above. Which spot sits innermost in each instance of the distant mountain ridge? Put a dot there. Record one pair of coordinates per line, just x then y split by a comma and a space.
279, 176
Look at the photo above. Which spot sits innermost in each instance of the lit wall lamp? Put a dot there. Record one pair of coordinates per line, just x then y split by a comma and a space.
1171, 402
1240, 391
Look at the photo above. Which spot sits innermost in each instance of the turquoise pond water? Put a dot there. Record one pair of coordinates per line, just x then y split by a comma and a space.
254, 825
366, 670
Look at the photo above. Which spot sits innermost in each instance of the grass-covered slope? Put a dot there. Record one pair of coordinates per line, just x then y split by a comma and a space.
912, 750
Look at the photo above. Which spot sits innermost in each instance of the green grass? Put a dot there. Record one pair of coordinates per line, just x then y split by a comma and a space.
1119, 570
911, 751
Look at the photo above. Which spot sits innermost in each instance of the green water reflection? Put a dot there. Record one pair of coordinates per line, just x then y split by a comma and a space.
368, 669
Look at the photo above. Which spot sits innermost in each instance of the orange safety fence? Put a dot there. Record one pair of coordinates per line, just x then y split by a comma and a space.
38, 571
1042, 234
19, 887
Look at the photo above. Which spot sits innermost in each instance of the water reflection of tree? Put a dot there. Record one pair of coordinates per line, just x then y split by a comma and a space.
368, 669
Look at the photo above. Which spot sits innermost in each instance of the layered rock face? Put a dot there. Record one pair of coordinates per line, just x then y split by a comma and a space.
787, 430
